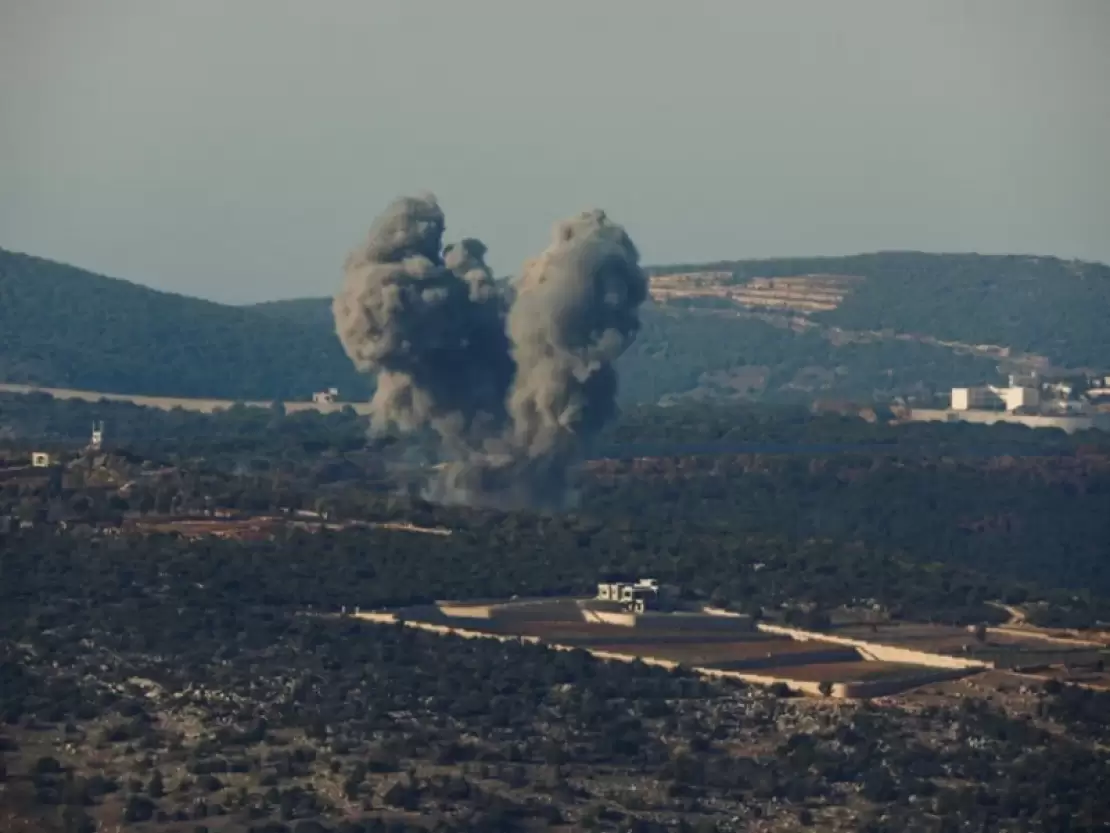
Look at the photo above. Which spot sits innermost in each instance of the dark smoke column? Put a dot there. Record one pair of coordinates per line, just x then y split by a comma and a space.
431, 330
515, 394
576, 311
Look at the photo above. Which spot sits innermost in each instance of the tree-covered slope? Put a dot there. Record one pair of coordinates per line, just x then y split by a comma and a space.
66, 327
717, 355
1041, 305
62, 326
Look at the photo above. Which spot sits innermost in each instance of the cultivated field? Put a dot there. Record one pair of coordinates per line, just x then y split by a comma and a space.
855, 671
1004, 647
715, 646
796, 295
739, 654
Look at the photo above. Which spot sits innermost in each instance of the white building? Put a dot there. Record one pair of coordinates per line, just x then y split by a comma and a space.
635, 596
42, 459
326, 397
968, 399
989, 398
1016, 398
96, 439
609, 591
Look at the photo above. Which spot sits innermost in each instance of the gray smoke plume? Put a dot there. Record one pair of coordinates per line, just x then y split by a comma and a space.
513, 383
430, 330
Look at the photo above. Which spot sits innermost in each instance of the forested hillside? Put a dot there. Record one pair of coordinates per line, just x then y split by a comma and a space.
719, 356
1042, 305
930, 518
65, 327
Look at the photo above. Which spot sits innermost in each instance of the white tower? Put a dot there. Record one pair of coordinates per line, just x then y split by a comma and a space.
97, 439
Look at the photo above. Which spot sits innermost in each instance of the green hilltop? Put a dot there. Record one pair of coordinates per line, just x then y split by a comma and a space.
65, 327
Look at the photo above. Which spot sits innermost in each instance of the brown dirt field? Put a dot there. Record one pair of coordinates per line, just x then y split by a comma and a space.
560, 630
850, 672
731, 652
946, 639
906, 634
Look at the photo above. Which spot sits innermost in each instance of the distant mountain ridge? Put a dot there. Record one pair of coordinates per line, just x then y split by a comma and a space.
65, 327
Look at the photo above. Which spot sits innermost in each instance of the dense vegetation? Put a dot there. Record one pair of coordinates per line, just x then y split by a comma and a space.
681, 349
65, 423
932, 520
640, 431
146, 678
686, 350
61, 326
64, 327
1041, 305
224, 715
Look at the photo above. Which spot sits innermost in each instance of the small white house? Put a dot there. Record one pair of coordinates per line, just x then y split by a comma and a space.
1017, 398
635, 596
969, 399
993, 398
609, 591
326, 397
42, 459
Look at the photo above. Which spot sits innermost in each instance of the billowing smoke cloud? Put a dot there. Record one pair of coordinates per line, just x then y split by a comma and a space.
429, 326
511, 382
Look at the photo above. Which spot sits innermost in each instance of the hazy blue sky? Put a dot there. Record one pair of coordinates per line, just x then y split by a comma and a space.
237, 149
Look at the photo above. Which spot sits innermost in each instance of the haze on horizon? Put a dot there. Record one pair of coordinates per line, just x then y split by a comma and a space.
237, 151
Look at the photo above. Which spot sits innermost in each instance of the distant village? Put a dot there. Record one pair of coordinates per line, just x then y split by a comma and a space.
1071, 403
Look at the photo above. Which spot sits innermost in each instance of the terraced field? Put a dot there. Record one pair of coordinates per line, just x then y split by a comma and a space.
714, 645
737, 655
855, 671
798, 294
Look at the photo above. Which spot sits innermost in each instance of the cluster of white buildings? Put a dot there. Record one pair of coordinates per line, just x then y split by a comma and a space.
1015, 397
1027, 394
1070, 404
